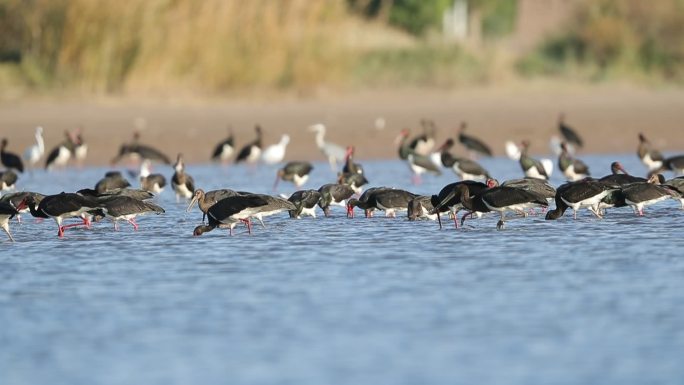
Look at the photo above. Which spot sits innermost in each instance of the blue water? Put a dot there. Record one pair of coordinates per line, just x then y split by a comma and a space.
344, 301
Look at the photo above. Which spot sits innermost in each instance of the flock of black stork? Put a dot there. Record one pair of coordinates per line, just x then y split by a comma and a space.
476, 193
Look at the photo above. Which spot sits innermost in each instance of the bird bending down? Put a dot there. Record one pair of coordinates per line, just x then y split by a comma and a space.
227, 212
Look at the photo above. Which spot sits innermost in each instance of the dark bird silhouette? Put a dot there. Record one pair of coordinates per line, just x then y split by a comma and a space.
8, 180
225, 148
139, 152
573, 169
7, 212
251, 152
183, 184
568, 133
296, 172
10, 160
649, 156
227, 212
59, 156
472, 143
305, 203
112, 180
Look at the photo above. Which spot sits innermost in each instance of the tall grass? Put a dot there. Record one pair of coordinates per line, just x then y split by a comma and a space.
616, 38
150, 45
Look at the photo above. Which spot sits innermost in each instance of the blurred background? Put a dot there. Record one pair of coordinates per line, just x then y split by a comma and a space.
458, 57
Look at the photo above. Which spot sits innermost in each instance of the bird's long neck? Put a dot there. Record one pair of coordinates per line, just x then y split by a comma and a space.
144, 170
320, 136
40, 142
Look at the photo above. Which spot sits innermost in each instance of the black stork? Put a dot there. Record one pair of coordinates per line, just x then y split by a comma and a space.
112, 180
59, 156
619, 176
305, 203
420, 207
674, 164
677, 184
573, 169
422, 144
63, 206
10, 160
80, 146
506, 198
296, 172
333, 194
362, 202
649, 156
224, 149
640, 195
207, 199
569, 134
137, 151
227, 212
587, 193
251, 152
418, 163
125, 208
274, 205
532, 168
7, 212
183, 184
466, 169
472, 143
8, 180
448, 199
390, 201
153, 183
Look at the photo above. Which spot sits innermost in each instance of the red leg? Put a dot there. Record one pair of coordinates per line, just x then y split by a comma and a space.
456, 219
466, 216
60, 232
135, 225
86, 222
116, 226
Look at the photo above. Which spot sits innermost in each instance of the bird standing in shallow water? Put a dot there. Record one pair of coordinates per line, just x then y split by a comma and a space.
224, 149
275, 153
183, 184
333, 153
35, 153
251, 152
573, 169
10, 160
472, 143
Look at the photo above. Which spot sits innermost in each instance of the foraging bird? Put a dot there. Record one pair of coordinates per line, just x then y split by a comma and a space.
472, 143
224, 149
530, 166
207, 199
569, 134
449, 199
59, 156
388, 200
650, 157
333, 194
138, 152
251, 152
8, 159
420, 207
126, 208
111, 181
183, 184
677, 184
153, 183
63, 206
34, 153
362, 202
506, 198
640, 195
537, 186
578, 194
7, 212
295, 172
227, 212
573, 169
305, 203
275, 153
333, 153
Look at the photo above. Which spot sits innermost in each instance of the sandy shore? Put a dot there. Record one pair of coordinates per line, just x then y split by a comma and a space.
608, 117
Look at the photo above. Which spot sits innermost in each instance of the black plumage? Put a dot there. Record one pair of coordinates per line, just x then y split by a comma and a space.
10, 160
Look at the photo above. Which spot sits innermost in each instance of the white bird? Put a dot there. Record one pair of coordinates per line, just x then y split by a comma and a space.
276, 152
33, 154
512, 150
333, 152
81, 149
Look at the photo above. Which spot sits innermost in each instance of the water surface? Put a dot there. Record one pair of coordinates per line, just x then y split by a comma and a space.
337, 300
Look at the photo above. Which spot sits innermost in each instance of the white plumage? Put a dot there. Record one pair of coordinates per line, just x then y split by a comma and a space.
276, 152
333, 152
33, 154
